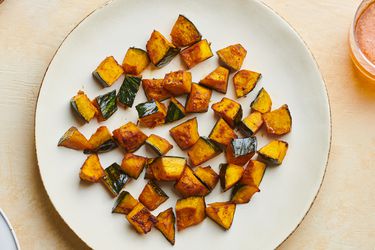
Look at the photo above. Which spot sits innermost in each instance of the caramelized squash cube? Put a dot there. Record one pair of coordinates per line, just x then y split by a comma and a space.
253, 173
185, 134
232, 56
229, 110
207, 176
108, 72
83, 106
222, 213
114, 179
73, 139
133, 164
196, 53
198, 99
128, 90
135, 61
230, 174
176, 111
184, 33
274, 152
91, 169
242, 194
160, 145
166, 168
101, 141
151, 114
189, 212
251, 124
129, 136
203, 150
222, 133
152, 196
125, 203
141, 219
279, 121
154, 89
240, 151
165, 223
245, 81
160, 50
189, 185
217, 80
262, 102
178, 82
106, 105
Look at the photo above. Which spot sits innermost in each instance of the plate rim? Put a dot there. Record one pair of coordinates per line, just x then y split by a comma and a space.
261, 2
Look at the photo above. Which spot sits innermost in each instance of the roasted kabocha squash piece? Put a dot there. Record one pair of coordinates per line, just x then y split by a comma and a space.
242, 194
184, 33
133, 164
154, 89
165, 223
189, 185
274, 152
203, 150
106, 105
73, 139
129, 137
278, 121
229, 110
178, 82
141, 219
160, 50
222, 213
125, 203
196, 53
207, 176
240, 150
230, 174
101, 141
245, 81
185, 134
253, 173
232, 56
251, 124
198, 99
151, 114
222, 133
135, 61
83, 106
190, 211
91, 169
176, 111
114, 179
128, 90
165, 168
152, 196
160, 145
262, 102
108, 72
217, 80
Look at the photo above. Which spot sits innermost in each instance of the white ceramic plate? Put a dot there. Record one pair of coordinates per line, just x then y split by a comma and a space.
289, 74
8, 239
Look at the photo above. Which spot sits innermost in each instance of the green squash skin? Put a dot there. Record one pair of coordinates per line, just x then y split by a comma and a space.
238, 117
119, 200
156, 150
128, 90
115, 179
76, 111
107, 104
157, 189
245, 129
222, 170
104, 147
174, 113
97, 77
146, 109
171, 53
244, 146
269, 160
212, 144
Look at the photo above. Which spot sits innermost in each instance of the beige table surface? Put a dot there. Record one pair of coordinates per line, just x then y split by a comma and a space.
343, 215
